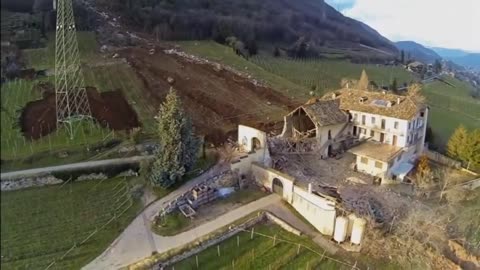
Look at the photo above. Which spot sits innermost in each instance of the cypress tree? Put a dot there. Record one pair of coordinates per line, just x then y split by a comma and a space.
178, 145
364, 82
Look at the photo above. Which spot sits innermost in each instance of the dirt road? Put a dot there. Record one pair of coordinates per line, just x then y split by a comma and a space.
71, 167
138, 242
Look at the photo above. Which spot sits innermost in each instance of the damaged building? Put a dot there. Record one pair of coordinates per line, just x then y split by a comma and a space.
386, 132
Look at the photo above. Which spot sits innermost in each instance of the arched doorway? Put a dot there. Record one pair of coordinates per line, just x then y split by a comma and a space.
277, 186
256, 144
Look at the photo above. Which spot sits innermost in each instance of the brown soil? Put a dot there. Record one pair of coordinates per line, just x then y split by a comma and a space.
110, 109
216, 100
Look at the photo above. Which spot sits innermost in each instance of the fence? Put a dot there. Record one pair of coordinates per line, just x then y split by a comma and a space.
442, 159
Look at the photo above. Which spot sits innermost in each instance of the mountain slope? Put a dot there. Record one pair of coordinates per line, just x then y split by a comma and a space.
460, 57
418, 51
471, 60
449, 53
300, 24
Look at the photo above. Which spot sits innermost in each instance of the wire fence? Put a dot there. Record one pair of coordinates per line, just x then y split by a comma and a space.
251, 249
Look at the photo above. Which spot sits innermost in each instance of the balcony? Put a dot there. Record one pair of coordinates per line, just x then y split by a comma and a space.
378, 128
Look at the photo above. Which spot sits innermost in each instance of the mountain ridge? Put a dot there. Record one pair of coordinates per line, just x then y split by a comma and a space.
418, 51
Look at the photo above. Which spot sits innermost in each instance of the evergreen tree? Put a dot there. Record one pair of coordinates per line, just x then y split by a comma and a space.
394, 84
457, 143
363, 83
276, 52
437, 66
402, 56
178, 146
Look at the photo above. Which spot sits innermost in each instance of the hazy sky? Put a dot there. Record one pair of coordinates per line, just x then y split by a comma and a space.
438, 23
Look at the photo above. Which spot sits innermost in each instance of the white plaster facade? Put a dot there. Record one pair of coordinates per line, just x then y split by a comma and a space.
407, 134
253, 143
320, 212
250, 138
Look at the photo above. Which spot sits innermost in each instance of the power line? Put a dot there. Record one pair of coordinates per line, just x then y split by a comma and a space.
70, 95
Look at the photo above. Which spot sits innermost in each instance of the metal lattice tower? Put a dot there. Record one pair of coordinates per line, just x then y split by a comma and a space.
71, 97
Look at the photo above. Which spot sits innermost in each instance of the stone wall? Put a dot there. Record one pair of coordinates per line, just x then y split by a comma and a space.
39, 181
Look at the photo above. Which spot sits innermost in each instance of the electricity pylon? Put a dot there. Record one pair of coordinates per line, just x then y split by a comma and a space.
70, 94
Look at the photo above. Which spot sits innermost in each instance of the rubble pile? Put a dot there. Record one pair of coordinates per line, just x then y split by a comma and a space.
216, 66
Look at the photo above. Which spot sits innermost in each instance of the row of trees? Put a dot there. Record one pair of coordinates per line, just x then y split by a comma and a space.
465, 146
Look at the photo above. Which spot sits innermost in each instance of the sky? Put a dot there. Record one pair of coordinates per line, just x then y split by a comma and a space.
434, 23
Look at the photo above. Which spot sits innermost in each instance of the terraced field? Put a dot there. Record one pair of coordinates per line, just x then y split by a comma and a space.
262, 253
65, 226
451, 105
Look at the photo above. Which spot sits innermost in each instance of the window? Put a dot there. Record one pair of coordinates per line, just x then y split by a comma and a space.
364, 160
372, 133
373, 120
409, 125
422, 114
378, 164
395, 125
355, 116
383, 123
363, 119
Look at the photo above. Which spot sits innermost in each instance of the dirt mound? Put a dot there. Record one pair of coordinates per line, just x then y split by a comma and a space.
216, 99
110, 109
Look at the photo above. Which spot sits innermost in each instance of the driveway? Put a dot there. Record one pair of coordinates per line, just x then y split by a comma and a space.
138, 242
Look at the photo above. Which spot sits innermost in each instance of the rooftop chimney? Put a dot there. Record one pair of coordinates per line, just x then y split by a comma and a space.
309, 187
398, 100
334, 95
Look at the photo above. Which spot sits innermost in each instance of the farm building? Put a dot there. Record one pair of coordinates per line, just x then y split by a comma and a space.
385, 131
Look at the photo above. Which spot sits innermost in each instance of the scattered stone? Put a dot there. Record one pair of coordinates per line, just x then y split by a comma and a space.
116, 55
29, 182
63, 154
217, 67
92, 176
104, 48
269, 103
151, 51
311, 93
170, 80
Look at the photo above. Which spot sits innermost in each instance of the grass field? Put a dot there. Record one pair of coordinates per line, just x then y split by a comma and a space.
325, 75
295, 77
44, 58
39, 225
450, 106
19, 152
261, 253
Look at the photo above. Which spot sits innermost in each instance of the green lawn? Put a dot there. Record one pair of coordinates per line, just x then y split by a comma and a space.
261, 253
39, 225
450, 106
44, 58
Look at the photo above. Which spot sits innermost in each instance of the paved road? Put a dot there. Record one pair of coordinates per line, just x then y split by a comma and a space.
138, 242
72, 167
